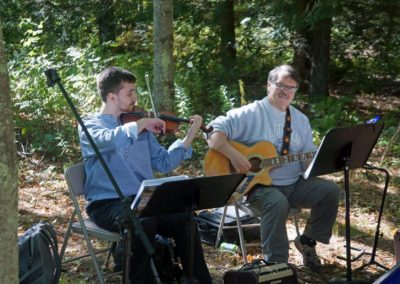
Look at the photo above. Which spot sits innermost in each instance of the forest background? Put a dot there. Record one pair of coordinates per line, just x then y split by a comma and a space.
219, 53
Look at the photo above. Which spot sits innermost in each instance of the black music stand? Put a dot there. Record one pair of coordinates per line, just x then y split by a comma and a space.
191, 195
343, 149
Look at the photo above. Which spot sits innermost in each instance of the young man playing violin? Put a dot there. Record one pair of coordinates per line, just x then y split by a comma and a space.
265, 120
132, 153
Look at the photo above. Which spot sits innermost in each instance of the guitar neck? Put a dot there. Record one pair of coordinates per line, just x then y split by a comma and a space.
286, 159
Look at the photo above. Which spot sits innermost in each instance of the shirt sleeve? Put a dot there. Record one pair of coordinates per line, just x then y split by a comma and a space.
234, 124
106, 139
165, 160
131, 129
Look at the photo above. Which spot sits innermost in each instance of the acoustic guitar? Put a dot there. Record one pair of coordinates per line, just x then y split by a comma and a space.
262, 157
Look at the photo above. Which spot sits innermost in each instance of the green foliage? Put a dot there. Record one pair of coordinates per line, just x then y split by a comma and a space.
40, 34
328, 113
365, 48
42, 117
43, 120
393, 146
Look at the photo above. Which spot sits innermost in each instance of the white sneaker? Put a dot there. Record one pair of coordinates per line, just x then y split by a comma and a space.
310, 257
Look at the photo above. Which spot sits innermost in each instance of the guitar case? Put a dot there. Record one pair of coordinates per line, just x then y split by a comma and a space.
208, 223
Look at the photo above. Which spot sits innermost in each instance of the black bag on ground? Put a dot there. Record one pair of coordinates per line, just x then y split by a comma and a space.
166, 263
262, 272
39, 261
208, 224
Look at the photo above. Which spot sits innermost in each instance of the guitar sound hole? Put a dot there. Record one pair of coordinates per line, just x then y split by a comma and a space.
255, 164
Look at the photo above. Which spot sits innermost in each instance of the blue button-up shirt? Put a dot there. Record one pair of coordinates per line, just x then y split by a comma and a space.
131, 158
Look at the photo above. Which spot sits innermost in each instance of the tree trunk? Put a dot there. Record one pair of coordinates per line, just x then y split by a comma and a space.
228, 40
301, 47
311, 45
8, 179
163, 69
106, 21
320, 57
301, 61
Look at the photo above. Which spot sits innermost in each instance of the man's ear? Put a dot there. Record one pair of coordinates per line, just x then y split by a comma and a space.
110, 97
268, 86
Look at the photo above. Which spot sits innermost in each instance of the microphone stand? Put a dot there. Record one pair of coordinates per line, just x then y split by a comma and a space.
372, 260
53, 79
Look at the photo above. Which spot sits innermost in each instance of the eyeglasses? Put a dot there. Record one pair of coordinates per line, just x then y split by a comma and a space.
286, 88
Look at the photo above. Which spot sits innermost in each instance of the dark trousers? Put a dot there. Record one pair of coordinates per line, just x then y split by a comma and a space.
107, 213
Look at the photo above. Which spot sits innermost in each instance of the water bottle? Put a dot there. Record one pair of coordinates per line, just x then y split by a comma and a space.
397, 245
229, 247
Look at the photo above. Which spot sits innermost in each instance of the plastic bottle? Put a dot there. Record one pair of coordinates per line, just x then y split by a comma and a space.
229, 247
397, 245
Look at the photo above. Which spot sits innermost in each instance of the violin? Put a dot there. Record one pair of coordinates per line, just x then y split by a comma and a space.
171, 121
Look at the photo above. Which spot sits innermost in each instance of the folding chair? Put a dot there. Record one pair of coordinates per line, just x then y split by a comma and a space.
75, 177
239, 207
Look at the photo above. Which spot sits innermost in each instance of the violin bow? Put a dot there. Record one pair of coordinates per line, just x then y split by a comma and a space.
146, 77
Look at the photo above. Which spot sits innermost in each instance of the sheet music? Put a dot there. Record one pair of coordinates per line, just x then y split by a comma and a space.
147, 188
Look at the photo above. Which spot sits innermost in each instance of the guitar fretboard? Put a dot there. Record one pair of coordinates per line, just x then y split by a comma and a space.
281, 160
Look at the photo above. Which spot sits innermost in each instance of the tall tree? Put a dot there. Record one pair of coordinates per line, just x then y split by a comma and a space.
309, 23
8, 179
164, 67
300, 42
320, 58
225, 13
106, 21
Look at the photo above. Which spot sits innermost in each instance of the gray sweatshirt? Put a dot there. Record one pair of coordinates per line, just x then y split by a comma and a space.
260, 121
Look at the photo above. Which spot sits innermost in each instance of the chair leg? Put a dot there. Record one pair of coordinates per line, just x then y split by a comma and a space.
88, 244
66, 237
91, 251
221, 227
296, 223
93, 255
108, 256
241, 237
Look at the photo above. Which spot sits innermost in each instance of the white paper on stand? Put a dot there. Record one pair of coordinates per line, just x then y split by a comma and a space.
147, 188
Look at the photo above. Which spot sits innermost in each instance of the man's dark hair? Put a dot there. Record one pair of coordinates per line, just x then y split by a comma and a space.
283, 70
110, 80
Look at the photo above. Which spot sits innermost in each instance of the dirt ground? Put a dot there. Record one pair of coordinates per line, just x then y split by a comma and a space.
43, 196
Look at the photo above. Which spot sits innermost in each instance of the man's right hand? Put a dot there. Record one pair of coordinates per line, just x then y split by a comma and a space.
218, 141
154, 125
239, 161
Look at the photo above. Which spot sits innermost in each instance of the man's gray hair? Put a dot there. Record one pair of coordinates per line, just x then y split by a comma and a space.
283, 70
